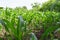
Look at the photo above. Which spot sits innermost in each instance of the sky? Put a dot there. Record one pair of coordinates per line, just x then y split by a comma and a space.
19, 3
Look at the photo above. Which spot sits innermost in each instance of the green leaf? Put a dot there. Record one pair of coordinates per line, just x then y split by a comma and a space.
33, 37
49, 30
4, 24
20, 26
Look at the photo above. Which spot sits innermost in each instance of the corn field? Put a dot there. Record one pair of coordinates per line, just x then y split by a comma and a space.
22, 24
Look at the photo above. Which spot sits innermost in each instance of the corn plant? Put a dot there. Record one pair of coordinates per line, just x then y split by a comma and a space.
14, 31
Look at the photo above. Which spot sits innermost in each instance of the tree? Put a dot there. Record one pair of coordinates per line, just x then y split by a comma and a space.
1, 7
36, 6
51, 5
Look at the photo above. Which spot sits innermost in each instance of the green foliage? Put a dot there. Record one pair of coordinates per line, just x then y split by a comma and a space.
20, 22
51, 5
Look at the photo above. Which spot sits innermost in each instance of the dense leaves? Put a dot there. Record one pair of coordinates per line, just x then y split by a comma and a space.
38, 23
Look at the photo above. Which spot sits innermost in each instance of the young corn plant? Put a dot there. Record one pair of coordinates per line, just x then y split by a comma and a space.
15, 32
